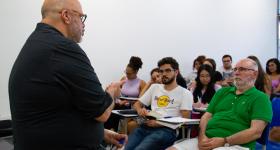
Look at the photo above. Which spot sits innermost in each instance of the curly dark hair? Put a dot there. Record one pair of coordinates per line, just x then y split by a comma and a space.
169, 60
276, 61
210, 91
135, 63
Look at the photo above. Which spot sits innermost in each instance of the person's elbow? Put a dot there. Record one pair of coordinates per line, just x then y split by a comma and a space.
257, 133
104, 117
106, 114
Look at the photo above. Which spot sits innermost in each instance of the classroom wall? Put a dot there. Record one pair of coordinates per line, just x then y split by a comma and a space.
150, 29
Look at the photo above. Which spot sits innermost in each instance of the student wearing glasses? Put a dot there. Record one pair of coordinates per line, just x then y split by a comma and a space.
236, 116
168, 99
226, 71
56, 99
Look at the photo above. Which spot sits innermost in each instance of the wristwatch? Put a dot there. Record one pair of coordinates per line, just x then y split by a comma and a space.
226, 142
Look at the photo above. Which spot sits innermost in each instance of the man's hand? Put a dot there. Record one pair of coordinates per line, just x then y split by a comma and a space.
114, 138
152, 123
208, 144
114, 89
142, 112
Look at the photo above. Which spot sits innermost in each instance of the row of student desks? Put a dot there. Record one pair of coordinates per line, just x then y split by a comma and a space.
130, 113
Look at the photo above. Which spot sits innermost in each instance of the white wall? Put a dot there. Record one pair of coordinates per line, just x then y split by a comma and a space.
151, 29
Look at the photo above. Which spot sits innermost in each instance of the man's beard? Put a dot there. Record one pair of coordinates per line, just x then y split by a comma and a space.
244, 83
166, 81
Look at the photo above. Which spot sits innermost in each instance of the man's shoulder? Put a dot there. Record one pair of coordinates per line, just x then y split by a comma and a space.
182, 91
226, 89
48, 34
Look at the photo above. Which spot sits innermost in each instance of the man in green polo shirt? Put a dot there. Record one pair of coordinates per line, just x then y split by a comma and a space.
236, 115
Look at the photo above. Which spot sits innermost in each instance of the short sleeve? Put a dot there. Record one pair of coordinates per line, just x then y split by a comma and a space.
187, 100
73, 71
146, 98
265, 113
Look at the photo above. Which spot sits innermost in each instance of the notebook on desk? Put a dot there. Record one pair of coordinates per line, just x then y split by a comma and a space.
128, 111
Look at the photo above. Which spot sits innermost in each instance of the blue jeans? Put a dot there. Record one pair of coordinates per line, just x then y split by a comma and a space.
144, 138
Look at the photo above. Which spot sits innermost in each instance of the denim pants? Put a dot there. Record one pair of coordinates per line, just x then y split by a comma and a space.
144, 138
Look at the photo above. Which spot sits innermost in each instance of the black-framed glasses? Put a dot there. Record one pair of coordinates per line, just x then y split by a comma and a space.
82, 16
225, 61
168, 70
242, 69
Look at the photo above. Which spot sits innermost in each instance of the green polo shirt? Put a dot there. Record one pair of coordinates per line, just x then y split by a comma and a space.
233, 113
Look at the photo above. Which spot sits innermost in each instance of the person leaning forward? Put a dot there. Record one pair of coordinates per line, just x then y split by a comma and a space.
235, 116
56, 99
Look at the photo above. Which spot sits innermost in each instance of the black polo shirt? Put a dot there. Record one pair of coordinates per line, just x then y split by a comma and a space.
55, 95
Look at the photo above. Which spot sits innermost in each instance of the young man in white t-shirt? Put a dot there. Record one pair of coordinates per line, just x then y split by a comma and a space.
168, 99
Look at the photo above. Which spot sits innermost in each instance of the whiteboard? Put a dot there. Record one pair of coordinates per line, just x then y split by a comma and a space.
150, 29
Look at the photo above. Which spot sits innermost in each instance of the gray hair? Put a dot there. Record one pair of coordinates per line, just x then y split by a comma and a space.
254, 64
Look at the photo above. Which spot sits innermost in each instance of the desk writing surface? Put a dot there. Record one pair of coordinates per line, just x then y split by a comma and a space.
124, 115
128, 98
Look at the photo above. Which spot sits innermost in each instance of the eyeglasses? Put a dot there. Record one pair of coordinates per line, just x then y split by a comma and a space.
242, 69
82, 16
225, 61
168, 70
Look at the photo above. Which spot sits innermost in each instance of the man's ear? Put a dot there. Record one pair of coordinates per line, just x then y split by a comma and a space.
66, 18
256, 74
177, 72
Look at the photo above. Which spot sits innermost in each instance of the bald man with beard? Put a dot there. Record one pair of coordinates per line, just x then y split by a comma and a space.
56, 99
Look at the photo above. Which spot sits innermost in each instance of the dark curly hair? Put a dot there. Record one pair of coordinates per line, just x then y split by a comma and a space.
210, 91
135, 63
169, 60
276, 61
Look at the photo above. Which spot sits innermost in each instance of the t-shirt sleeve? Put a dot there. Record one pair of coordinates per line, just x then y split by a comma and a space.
146, 98
73, 71
262, 109
187, 100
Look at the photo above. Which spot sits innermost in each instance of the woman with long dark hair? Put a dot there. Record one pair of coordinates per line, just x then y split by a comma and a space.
273, 71
205, 85
263, 82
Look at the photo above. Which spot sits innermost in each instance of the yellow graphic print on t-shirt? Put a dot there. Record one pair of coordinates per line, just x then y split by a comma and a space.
163, 101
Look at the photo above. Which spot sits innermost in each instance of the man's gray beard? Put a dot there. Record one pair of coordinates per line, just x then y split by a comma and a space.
247, 84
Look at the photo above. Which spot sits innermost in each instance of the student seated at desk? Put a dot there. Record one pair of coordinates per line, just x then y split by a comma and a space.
168, 99
155, 79
203, 92
235, 116
131, 87
205, 86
